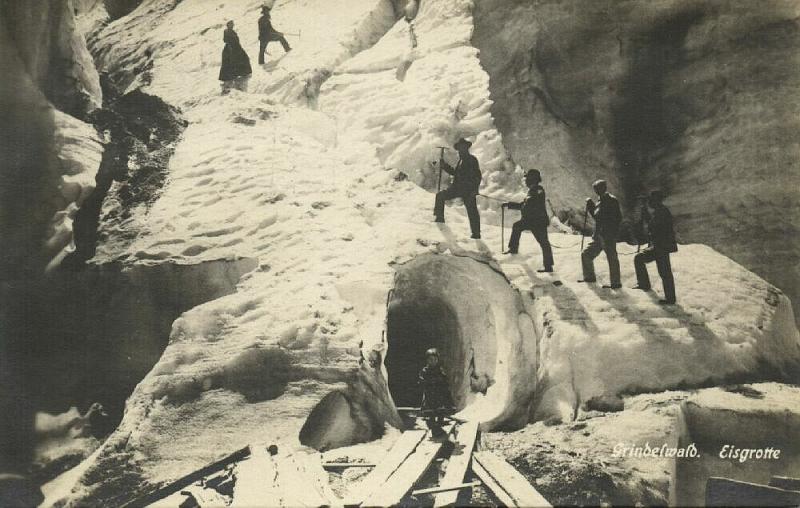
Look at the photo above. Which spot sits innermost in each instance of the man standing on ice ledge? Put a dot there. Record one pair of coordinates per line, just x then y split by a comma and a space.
534, 219
662, 243
607, 218
466, 183
267, 33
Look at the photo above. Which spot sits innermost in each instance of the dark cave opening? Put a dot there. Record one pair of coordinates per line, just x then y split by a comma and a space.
413, 327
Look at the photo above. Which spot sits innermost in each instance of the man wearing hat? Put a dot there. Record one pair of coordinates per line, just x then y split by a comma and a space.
607, 218
267, 33
662, 243
534, 219
466, 182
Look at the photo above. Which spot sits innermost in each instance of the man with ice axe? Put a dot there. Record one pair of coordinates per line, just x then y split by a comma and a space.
466, 182
267, 33
534, 219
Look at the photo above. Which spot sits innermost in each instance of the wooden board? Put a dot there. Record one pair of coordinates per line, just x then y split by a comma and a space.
189, 479
458, 465
403, 447
727, 492
403, 480
784, 482
492, 485
510, 480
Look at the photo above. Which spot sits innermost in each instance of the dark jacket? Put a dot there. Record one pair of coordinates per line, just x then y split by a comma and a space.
265, 28
662, 233
235, 62
607, 217
435, 390
467, 175
534, 211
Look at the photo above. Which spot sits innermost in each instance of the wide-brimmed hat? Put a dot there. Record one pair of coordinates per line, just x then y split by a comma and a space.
462, 142
533, 173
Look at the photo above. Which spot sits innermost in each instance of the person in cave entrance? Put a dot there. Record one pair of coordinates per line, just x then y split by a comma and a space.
436, 399
235, 62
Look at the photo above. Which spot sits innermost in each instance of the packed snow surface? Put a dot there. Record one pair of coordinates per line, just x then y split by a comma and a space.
321, 172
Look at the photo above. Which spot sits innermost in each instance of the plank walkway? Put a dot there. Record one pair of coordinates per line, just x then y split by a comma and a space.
510, 480
458, 466
404, 447
300, 479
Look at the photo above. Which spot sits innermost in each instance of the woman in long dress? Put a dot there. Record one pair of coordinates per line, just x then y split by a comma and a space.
235, 62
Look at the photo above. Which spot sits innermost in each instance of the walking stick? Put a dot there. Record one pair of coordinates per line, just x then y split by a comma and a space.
583, 236
502, 227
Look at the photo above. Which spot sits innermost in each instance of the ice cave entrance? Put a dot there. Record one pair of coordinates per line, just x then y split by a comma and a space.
444, 302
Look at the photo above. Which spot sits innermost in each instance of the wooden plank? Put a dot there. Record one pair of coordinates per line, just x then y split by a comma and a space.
458, 465
492, 485
403, 447
441, 488
344, 465
189, 479
398, 485
727, 492
510, 480
785, 482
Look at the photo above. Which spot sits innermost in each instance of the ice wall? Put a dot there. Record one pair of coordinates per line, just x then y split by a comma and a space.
695, 98
50, 157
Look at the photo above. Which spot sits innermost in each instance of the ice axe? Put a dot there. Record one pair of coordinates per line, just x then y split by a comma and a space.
441, 158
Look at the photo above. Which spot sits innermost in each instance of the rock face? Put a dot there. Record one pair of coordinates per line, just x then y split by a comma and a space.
696, 98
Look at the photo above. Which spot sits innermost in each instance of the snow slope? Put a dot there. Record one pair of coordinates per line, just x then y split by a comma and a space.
331, 192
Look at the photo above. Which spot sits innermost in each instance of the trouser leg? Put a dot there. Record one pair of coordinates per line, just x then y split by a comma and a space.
284, 43
665, 272
640, 264
516, 232
262, 47
540, 233
474, 216
610, 248
591, 251
441, 197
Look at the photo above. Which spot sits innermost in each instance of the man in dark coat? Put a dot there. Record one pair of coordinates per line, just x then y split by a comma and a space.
267, 33
235, 62
662, 243
607, 218
534, 219
466, 182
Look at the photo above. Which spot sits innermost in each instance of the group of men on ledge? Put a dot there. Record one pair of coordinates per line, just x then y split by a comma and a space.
605, 211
